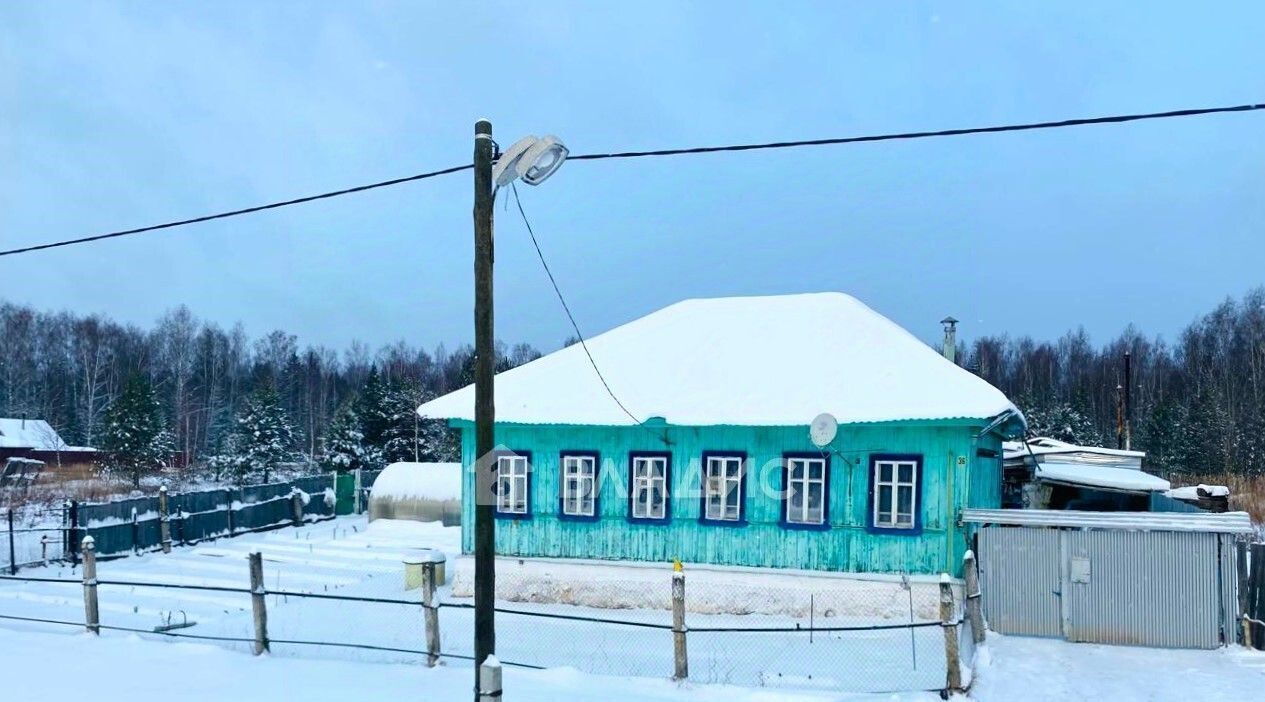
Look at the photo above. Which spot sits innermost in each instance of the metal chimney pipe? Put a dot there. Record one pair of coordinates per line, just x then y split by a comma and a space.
950, 347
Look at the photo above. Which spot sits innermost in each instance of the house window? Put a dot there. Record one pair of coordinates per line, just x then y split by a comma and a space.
722, 487
512, 480
579, 485
806, 483
648, 487
894, 493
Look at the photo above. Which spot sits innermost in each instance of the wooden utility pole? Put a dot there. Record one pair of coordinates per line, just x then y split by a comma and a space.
484, 412
1128, 401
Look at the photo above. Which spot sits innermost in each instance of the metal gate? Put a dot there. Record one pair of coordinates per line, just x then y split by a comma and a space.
1109, 585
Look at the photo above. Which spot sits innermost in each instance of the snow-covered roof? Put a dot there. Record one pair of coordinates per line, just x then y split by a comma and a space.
1225, 523
1195, 492
777, 360
1045, 446
423, 481
33, 434
1100, 477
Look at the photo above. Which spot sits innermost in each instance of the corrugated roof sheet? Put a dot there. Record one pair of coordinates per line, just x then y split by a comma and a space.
1225, 523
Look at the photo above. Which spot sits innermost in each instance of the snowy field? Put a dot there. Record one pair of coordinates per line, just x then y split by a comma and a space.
350, 557
48, 667
586, 660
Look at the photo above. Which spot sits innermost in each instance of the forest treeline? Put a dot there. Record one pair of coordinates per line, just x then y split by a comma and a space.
207, 385
1198, 402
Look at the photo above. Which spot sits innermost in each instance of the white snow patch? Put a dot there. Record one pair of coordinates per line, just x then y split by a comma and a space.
710, 590
775, 360
426, 481
1100, 476
1194, 492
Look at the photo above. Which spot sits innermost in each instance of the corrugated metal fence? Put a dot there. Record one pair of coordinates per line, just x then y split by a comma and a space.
1161, 588
134, 525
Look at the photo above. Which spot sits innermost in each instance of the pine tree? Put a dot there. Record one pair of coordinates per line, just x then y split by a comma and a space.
264, 436
1060, 421
227, 458
344, 446
373, 408
134, 436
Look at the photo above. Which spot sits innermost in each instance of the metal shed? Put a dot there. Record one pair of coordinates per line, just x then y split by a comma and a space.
1134, 578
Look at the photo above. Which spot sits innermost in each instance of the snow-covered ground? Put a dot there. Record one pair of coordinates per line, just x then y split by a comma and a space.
351, 557
48, 667
586, 660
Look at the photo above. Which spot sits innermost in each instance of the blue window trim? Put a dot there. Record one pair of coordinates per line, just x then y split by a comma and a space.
597, 492
786, 493
869, 504
667, 484
495, 504
742, 487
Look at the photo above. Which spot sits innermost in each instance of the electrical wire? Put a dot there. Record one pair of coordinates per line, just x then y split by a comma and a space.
1113, 119
1079, 122
566, 308
243, 211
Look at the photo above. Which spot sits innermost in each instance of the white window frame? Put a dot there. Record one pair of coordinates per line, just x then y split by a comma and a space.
718, 485
803, 486
894, 483
643, 481
513, 483
579, 485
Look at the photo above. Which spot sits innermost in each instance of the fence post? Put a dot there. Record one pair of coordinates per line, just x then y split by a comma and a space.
970, 567
71, 540
92, 614
953, 677
1240, 563
164, 523
228, 511
1256, 603
682, 668
13, 554
356, 500
490, 680
44, 549
432, 613
296, 506
258, 604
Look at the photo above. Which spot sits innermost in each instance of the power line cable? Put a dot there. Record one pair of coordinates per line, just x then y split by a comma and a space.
566, 308
1113, 119
243, 211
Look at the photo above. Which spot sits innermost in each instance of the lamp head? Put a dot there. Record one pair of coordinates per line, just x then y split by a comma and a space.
542, 160
505, 170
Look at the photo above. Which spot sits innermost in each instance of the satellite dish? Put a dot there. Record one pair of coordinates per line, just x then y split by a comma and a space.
823, 429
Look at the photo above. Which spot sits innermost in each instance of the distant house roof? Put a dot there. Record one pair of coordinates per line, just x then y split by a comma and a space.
1045, 449
1100, 477
35, 434
776, 361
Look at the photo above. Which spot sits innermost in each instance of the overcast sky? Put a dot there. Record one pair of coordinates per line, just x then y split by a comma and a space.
127, 114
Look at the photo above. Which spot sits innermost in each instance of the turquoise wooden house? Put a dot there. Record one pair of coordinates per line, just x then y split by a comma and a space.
718, 466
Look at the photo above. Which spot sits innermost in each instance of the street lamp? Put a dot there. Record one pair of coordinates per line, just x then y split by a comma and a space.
532, 160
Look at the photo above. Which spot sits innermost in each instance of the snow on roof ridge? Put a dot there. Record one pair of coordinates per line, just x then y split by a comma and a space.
796, 356
18, 432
